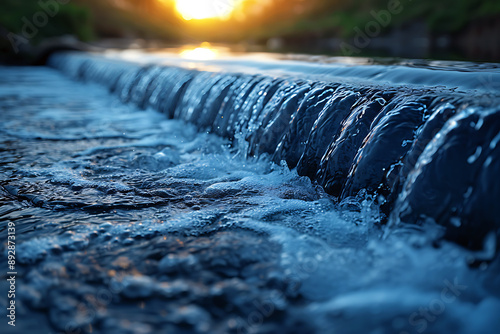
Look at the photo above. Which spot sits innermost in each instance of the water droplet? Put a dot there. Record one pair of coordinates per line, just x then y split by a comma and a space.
495, 141
476, 155
455, 221
468, 192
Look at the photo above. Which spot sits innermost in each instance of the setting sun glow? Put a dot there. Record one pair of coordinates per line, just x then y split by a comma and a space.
205, 9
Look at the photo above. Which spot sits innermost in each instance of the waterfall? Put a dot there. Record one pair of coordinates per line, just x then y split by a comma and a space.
426, 152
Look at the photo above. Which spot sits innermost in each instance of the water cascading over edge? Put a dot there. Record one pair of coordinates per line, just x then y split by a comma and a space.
427, 153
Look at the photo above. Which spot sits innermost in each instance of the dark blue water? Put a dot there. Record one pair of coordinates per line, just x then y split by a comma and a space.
424, 140
185, 201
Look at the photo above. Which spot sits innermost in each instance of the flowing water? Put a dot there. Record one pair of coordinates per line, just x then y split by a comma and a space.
188, 201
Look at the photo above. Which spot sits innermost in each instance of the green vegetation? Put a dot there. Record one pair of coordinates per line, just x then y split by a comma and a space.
148, 19
33, 21
299, 22
336, 18
280, 18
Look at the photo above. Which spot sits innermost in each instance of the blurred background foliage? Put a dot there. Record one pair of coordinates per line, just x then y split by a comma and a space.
330, 16
470, 28
70, 19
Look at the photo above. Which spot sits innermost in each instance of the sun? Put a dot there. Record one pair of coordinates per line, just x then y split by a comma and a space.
205, 9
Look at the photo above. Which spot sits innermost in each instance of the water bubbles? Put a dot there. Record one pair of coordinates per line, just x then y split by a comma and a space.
136, 287
185, 230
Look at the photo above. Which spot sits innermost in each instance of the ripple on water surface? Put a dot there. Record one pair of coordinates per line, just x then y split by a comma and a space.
131, 223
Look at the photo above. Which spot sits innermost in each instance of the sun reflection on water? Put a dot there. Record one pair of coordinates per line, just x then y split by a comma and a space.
203, 52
